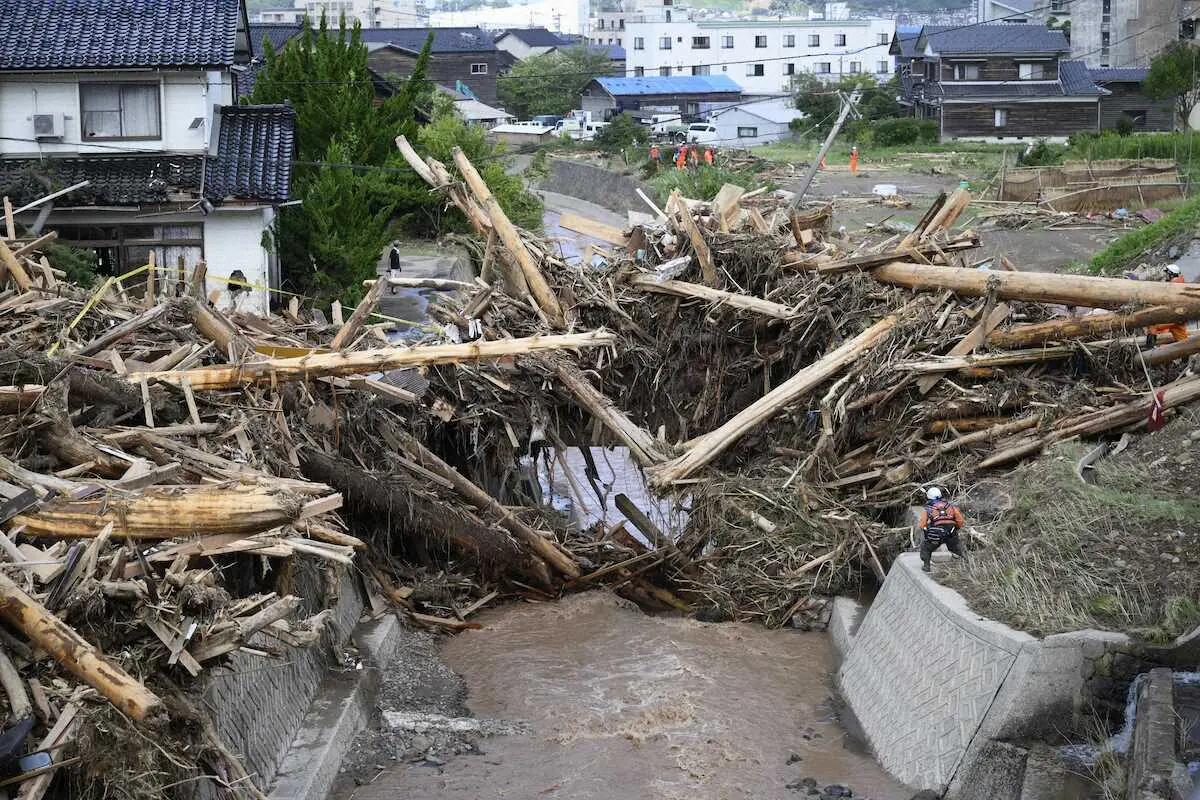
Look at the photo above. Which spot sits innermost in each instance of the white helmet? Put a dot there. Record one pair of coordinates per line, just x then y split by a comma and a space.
1173, 269
933, 493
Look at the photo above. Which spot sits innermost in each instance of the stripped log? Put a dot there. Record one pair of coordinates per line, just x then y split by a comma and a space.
511, 238
324, 365
1175, 350
809, 262
165, 512
345, 336
13, 264
1090, 327
742, 302
711, 445
75, 653
592, 228
216, 328
985, 360
967, 424
1041, 287
968, 343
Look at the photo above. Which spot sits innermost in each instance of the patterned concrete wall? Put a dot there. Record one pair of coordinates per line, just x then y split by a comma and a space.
922, 675
256, 703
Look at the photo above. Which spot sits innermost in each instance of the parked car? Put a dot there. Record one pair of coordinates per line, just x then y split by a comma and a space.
669, 127
702, 133
549, 120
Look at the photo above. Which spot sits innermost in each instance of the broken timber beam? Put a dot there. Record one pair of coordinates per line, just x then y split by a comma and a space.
708, 447
345, 336
649, 283
323, 365
166, 512
592, 228
986, 360
1175, 350
708, 270
75, 653
511, 238
968, 343
808, 262
119, 332
1041, 287
216, 328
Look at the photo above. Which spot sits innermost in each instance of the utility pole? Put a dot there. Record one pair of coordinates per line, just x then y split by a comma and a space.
848, 108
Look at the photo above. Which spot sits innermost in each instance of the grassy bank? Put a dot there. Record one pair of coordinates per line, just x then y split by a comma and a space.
1117, 556
703, 182
1130, 248
978, 161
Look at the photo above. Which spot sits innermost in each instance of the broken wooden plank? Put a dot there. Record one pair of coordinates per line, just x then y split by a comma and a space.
977, 336
592, 228
743, 302
708, 269
346, 335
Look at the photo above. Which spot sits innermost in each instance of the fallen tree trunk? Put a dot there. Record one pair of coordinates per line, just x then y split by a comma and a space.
711, 445
346, 335
1042, 287
323, 365
542, 293
213, 326
649, 283
1090, 327
166, 512
75, 653
985, 360
641, 443
1175, 350
807, 262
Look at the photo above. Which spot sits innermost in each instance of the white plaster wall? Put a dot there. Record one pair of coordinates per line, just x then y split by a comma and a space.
233, 240
729, 121
862, 46
183, 97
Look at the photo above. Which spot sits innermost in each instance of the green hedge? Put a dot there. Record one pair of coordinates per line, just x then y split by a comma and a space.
903, 131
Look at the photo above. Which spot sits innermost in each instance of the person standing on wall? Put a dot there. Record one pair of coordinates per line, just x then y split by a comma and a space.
939, 525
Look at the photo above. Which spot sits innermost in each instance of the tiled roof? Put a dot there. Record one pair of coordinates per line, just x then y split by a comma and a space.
115, 180
656, 84
614, 51
904, 41
255, 145
1000, 37
254, 161
1076, 79
102, 34
1118, 74
445, 40
534, 37
278, 33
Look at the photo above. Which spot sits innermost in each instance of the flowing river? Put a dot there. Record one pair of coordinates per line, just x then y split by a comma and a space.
623, 705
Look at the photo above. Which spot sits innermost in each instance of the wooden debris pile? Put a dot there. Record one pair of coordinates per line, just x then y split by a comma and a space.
795, 390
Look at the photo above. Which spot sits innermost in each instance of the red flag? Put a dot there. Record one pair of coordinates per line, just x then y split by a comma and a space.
1157, 413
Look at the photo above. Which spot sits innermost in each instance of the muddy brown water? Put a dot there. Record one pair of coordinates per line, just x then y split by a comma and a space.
623, 705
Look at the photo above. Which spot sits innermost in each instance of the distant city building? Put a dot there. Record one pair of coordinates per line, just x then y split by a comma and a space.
371, 13
569, 17
1016, 12
762, 55
1119, 34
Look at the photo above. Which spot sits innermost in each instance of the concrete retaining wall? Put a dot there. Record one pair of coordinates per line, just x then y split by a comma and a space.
256, 703
935, 686
615, 192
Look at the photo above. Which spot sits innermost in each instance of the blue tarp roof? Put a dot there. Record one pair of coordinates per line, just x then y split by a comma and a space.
657, 84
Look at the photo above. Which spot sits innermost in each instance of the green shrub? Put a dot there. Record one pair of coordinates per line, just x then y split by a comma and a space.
928, 131
702, 182
78, 263
621, 133
1125, 125
896, 131
1043, 155
1131, 247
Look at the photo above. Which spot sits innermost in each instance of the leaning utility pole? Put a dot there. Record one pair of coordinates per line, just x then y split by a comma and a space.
848, 104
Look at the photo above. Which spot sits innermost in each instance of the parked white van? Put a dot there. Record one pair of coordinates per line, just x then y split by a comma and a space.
702, 133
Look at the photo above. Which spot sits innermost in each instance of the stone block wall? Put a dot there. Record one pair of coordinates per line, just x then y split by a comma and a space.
257, 704
615, 192
939, 690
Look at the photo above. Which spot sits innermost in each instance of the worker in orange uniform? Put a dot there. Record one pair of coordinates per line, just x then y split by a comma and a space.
681, 162
854, 160
654, 155
709, 156
694, 155
1176, 330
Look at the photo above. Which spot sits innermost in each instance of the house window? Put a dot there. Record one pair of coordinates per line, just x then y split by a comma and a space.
1058, 5
120, 110
619, 43
621, 25
855, 67
699, 42
966, 72
639, 72
664, 43
881, 67
882, 38
789, 40
747, 133
479, 69
726, 42
1031, 72
839, 40
755, 70
120, 248
602, 24
824, 67
814, 40
760, 41
702, 69
664, 72
1001, 117
789, 69
639, 43
668, 16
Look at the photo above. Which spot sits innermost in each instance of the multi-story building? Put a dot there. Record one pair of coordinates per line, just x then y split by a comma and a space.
371, 13
1120, 34
760, 55
608, 27
1016, 12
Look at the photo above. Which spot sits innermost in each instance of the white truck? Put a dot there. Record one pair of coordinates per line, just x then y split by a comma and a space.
703, 133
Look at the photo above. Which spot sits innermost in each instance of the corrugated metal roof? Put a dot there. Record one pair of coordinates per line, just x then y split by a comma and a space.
658, 84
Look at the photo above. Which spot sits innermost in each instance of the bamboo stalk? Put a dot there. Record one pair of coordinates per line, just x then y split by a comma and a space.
323, 365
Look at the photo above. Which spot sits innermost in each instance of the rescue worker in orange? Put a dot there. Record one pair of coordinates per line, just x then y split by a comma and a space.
939, 524
683, 154
654, 155
1176, 330
854, 160
709, 155
694, 154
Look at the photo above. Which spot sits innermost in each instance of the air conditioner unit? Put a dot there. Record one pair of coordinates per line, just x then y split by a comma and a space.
48, 126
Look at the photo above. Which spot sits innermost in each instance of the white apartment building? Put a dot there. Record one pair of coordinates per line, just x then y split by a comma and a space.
371, 13
760, 55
